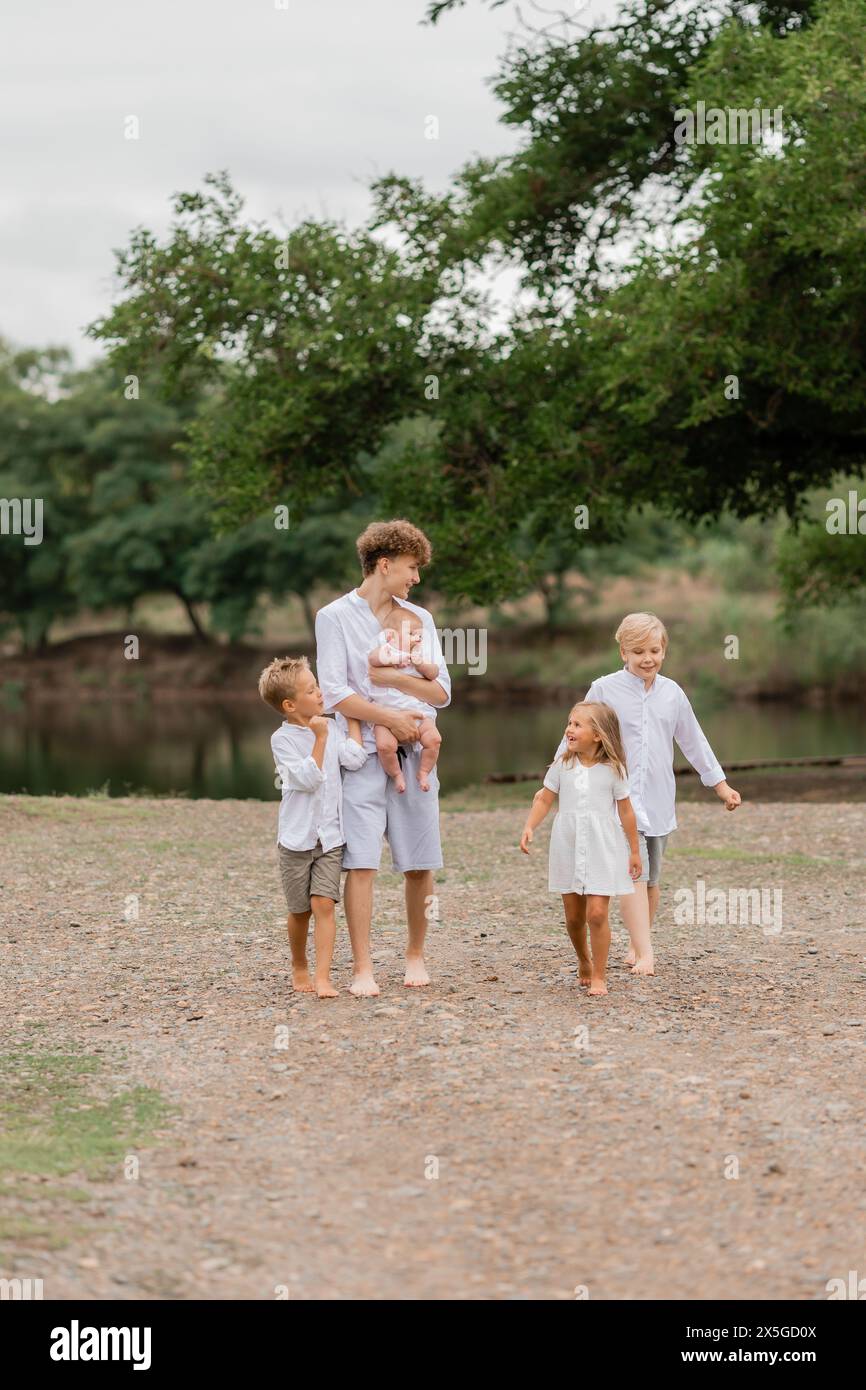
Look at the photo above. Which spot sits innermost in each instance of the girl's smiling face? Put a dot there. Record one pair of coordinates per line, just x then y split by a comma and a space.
645, 658
580, 736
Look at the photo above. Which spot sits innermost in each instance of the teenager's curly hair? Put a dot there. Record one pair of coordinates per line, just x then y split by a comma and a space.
392, 538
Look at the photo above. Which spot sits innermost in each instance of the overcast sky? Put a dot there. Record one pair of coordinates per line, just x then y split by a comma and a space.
302, 105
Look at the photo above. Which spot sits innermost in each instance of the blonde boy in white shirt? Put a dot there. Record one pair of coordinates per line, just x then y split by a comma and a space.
309, 751
652, 712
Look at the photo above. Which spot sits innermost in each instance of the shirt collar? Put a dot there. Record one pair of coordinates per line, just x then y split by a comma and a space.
638, 682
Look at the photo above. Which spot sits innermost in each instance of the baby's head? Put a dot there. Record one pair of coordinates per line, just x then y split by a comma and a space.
289, 686
643, 643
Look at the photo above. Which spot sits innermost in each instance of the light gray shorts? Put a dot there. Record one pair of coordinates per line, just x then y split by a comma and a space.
310, 872
373, 808
652, 849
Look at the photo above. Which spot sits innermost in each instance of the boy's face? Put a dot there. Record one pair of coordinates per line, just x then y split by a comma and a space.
644, 659
400, 574
308, 700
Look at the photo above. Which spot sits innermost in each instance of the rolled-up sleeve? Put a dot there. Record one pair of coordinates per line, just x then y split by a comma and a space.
692, 740
331, 661
442, 675
301, 774
352, 755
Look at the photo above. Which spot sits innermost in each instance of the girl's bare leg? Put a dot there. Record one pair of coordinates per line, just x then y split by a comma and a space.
635, 914
326, 935
599, 931
299, 926
386, 745
431, 742
575, 925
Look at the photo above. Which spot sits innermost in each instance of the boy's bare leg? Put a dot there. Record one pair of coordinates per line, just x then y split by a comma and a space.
419, 889
635, 914
299, 926
575, 925
326, 935
431, 742
386, 746
358, 902
597, 916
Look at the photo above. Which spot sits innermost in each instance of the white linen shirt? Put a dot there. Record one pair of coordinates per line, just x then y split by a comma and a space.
346, 631
311, 807
650, 720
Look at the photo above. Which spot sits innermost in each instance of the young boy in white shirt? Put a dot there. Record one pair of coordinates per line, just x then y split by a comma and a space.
652, 712
309, 751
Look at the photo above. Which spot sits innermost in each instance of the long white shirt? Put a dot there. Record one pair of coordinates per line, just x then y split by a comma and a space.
650, 720
311, 807
346, 631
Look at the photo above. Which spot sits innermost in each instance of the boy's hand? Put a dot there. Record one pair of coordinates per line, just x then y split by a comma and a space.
320, 725
635, 868
526, 840
727, 794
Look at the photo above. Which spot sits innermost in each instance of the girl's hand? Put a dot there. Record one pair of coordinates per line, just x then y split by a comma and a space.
635, 867
526, 840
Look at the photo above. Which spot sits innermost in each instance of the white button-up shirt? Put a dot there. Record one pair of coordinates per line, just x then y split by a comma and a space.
311, 808
650, 720
346, 632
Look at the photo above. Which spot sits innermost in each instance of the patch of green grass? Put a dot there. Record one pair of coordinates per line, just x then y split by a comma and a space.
55, 1117
743, 856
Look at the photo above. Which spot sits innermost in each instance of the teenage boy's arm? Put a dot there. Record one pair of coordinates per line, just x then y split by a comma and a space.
541, 804
692, 740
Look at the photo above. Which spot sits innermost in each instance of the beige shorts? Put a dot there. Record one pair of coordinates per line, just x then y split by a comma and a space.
310, 873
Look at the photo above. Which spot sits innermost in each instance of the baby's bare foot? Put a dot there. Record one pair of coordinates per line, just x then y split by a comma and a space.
597, 987
400, 783
423, 783
301, 979
416, 972
325, 989
364, 986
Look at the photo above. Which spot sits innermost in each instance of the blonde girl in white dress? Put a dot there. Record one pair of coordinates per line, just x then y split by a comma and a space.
594, 851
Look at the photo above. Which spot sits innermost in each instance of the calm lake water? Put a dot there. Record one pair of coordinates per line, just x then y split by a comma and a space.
223, 751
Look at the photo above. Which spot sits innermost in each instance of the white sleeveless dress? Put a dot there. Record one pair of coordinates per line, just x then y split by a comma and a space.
588, 846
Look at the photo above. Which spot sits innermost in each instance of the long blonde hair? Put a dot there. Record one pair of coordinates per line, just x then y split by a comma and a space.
605, 725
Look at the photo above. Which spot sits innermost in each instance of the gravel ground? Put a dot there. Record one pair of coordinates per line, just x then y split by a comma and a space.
496, 1136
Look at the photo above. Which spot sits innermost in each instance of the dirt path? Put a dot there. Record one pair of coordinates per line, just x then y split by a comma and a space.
304, 1161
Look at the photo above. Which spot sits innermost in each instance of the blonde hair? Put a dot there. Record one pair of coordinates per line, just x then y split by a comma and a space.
279, 680
605, 725
637, 627
392, 538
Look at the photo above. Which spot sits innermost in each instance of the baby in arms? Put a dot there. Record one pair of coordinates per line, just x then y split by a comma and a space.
406, 646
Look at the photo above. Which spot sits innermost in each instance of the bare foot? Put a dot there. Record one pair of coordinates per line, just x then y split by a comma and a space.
301, 979
399, 783
423, 783
364, 986
584, 974
416, 972
325, 989
630, 958
644, 966
597, 987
